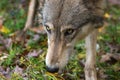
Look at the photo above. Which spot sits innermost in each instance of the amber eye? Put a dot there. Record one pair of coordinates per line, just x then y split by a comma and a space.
68, 32
48, 28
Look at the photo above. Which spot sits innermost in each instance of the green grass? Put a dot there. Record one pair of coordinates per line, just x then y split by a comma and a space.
34, 67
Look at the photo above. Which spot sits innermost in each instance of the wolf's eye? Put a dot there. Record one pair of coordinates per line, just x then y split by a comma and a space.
48, 28
68, 32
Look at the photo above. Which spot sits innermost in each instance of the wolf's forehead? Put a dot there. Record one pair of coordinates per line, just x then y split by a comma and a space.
64, 12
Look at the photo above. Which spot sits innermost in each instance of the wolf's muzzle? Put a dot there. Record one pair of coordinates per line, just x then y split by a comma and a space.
52, 70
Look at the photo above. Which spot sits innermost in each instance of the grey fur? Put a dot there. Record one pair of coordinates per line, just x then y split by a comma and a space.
82, 16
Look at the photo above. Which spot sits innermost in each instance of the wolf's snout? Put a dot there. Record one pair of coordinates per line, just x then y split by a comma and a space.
52, 70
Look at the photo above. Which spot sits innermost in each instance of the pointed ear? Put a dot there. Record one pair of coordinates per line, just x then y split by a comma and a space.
95, 5
99, 3
99, 6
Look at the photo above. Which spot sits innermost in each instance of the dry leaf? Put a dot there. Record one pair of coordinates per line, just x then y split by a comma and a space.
34, 53
110, 58
18, 70
4, 29
39, 30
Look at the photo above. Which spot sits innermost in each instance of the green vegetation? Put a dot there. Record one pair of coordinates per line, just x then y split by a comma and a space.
25, 61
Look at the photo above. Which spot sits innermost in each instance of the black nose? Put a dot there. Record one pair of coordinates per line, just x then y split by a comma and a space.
52, 70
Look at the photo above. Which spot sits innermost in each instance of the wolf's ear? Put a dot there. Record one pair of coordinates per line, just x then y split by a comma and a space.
97, 6
93, 3
99, 3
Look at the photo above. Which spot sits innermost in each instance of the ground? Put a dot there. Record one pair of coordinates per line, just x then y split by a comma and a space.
22, 54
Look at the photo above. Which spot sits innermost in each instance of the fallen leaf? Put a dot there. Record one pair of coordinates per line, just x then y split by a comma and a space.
39, 30
18, 70
34, 53
4, 30
5, 72
8, 43
110, 58
106, 15
3, 57
36, 37
102, 75
114, 47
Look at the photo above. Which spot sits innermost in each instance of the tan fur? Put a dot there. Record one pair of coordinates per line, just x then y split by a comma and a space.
78, 17
90, 70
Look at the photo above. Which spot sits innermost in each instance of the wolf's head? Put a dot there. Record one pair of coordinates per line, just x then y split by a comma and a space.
67, 21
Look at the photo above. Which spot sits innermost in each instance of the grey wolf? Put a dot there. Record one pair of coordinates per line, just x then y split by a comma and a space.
66, 22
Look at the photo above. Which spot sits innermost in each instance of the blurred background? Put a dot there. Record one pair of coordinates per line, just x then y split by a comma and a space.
23, 44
